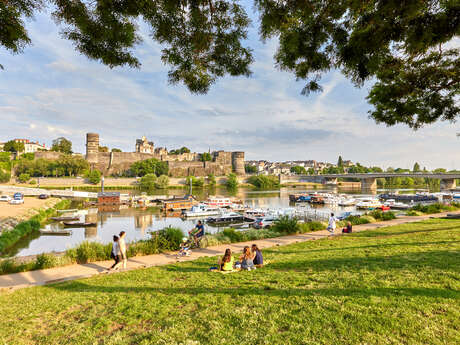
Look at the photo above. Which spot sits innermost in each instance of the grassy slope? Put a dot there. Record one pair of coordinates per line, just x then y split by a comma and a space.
396, 285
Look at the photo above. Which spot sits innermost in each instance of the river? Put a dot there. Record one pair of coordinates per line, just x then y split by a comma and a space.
138, 223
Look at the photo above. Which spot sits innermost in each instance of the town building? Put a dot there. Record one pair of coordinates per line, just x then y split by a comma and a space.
29, 146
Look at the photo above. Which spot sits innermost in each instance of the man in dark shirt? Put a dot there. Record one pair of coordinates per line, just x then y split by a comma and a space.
197, 232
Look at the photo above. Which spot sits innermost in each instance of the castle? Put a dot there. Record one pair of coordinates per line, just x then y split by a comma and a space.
180, 165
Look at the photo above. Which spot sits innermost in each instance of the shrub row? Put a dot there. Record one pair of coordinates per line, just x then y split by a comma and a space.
433, 208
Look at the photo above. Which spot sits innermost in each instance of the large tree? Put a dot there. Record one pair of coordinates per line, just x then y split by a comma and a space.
62, 145
405, 47
13, 146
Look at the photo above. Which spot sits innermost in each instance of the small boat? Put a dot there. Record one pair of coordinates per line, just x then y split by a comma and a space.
254, 213
60, 232
368, 204
64, 219
70, 210
230, 217
78, 224
219, 202
317, 199
347, 202
396, 205
202, 210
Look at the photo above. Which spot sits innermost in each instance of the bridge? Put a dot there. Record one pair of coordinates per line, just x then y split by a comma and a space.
369, 180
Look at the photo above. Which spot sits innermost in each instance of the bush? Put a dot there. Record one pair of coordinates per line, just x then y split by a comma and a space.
233, 235
33, 182
211, 180
356, 220
379, 215
4, 176
162, 182
264, 181
434, 208
148, 182
232, 181
414, 213
286, 225
45, 261
94, 177
172, 238
311, 226
368, 218
196, 182
92, 251
23, 178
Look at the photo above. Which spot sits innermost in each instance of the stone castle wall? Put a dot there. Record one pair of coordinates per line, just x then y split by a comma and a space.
115, 163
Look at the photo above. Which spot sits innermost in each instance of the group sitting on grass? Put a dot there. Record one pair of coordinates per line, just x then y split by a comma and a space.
249, 260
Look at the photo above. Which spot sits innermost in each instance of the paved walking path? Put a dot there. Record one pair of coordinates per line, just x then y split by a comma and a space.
77, 271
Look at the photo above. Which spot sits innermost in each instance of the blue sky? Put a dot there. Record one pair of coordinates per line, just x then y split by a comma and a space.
51, 90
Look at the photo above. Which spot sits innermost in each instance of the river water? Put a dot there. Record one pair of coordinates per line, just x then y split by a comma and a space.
138, 223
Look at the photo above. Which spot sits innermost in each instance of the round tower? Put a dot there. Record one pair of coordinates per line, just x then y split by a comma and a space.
238, 163
92, 148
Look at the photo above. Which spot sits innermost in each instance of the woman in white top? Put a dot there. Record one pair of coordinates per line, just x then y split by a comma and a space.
122, 244
331, 226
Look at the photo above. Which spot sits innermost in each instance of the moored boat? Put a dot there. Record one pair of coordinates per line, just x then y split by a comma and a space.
65, 219
61, 232
202, 210
78, 224
368, 204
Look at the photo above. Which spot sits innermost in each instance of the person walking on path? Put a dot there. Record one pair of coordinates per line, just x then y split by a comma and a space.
331, 226
122, 244
115, 254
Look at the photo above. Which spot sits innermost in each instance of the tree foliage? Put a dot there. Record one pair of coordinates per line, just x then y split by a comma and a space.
66, 165
402, 45
232, 181
299, 170
250, 169
13, 146
149, 166
180, 151
62, 145
205, 157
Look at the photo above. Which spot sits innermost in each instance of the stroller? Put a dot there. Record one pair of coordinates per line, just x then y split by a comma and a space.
185, 247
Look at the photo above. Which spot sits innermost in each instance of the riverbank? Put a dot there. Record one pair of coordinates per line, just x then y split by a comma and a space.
11, 215
24, 224
397, 284
75, 271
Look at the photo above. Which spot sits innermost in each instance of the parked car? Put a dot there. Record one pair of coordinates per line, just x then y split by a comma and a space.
263, 222
6, 198
43, 196
18, 198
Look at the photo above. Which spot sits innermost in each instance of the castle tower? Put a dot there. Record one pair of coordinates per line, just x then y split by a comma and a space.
238, 163
92, 148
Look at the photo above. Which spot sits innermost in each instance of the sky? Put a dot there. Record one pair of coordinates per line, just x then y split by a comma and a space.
50, 90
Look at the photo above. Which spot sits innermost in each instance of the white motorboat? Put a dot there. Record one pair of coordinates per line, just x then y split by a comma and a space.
218, 202
202, 210
368, 204
347, 202
392, 203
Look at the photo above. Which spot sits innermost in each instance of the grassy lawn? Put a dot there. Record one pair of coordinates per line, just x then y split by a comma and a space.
394, 285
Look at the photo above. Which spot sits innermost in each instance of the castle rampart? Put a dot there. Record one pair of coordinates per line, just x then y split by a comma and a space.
180, 165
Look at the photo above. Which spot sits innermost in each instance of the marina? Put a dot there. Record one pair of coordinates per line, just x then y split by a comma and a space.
241, 210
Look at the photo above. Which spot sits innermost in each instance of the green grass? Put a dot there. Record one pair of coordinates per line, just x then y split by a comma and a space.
394, 285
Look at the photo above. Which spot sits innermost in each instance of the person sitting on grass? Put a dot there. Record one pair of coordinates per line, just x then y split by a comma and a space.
247, 259
347, 229
258, 259
226, 262
197, 233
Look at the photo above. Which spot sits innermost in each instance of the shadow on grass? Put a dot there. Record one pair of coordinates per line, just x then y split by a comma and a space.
267, 291
281, 251
390, 233
436, 259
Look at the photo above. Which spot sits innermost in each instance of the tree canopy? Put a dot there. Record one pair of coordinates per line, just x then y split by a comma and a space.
404, 47
13, 146
62, 145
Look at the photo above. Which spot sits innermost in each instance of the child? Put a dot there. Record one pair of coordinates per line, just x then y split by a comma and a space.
184, 248
331, 226
115, 254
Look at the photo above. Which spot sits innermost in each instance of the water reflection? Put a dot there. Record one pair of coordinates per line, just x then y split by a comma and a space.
138, 223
